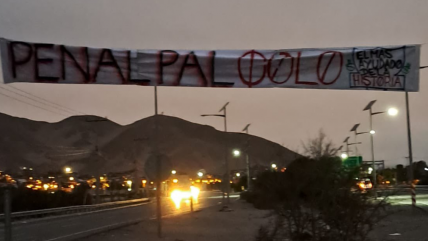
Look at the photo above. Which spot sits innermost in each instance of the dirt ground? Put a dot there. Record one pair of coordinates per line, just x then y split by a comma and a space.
243, 222
404, 224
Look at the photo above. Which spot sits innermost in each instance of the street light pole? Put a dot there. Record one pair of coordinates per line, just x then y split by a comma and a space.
226, 153
409, 140
391, 111
247, 156
347, 145
346, 141
227, 181
372, 148
158, 166
369, 108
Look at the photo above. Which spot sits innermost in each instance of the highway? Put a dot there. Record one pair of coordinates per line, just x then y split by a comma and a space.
72, 226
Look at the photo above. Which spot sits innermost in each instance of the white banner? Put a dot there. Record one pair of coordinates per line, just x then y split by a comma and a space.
393, 68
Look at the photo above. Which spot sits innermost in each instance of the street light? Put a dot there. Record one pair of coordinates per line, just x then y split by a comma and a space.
273, 166
173, 172
224, 115
200, 174
238, 174
236, 153
391, 112
247, 155
67, 169
349, 144
344, 155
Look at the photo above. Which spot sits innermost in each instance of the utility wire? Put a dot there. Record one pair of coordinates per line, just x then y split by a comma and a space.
31, 104
36, 100
48, 101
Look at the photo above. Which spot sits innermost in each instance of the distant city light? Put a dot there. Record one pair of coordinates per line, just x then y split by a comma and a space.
238, 174
236, 153
273, 165
67, 169
173, 172
71, 178
200, 174
174, 180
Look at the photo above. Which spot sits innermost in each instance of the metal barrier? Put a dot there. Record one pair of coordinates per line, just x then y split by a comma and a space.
70, 210
402, 190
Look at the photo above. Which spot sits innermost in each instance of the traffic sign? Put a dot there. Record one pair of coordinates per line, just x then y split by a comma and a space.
353, 161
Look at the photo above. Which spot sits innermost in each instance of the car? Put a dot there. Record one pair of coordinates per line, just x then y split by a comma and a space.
365, 184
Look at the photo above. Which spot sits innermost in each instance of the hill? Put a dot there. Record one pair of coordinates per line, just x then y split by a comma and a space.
72, 142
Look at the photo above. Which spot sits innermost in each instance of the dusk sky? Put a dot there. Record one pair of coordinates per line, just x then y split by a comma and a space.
285, 116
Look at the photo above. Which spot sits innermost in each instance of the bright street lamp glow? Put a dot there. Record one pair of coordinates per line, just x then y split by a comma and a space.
238, 174
372, 132
370, 170
173, 172
273, 165
67, 170
236, 153
344, 155
392, 111
200, 174
426, 169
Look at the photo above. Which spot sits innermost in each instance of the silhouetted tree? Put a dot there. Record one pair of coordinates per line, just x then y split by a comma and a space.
319, 147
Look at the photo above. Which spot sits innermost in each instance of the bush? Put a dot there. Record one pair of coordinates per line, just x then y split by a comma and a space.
314, 200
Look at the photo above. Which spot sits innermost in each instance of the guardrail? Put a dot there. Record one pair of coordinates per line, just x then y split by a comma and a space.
24, 215
401, 190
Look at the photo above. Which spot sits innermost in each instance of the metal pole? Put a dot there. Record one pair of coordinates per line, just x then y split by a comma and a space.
409, 140
158, 167
227, 159
347, 148
98, 153
372, 148
7, 215
248, 161
355, 141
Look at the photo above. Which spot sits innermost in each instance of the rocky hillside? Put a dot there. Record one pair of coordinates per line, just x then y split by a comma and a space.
73, 141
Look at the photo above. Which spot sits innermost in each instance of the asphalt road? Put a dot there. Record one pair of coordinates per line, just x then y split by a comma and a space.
64, 228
